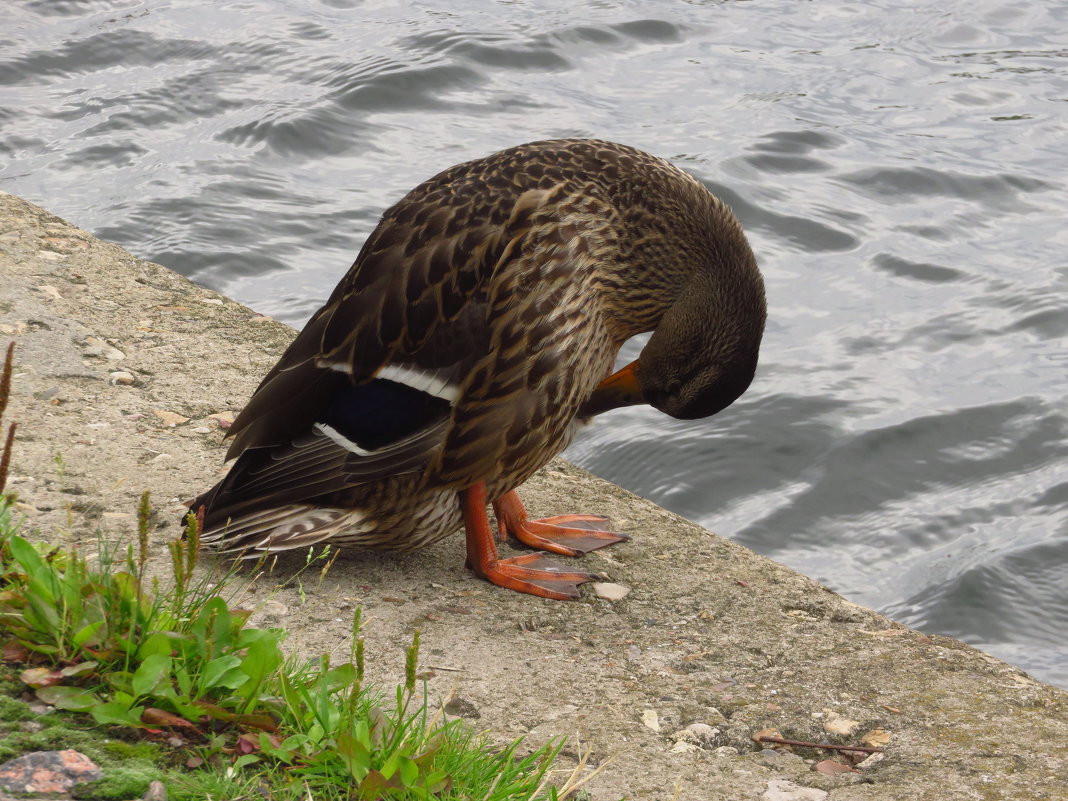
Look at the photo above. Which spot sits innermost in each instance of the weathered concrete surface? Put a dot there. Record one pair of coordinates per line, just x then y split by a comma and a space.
708, 628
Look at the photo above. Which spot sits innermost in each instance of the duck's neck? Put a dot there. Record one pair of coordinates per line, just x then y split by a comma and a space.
690, 253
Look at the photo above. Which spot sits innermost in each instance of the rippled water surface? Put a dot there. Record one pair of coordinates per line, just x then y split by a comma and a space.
900, 169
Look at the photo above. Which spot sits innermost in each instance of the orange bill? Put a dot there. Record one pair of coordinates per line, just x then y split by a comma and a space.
619, 389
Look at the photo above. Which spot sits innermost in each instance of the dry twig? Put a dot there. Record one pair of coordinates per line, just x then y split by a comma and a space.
829, 746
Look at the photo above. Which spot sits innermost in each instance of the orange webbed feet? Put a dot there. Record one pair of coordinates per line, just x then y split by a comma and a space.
533, 573
569, 535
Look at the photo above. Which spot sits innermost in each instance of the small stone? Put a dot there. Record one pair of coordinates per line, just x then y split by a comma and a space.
876, 738
871, 761
201, 430
96, 347
161, 458
634, 653
713, 717
758, 738
783, 790
779, 761
726, 751
47, 772
50, 291
155, 792
64, 244
651, 719
170, 419
683, 747
270, 613
224, 419
832, 767
702, 733
463, 708
609, 591
838, 725
121, 377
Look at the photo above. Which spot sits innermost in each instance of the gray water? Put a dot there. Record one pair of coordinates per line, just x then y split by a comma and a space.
899, 167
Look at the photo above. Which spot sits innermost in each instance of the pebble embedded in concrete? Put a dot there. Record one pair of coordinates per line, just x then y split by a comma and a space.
703, 734
98, 348
838, 725
121, 377
170, 419
609, 591
270, 613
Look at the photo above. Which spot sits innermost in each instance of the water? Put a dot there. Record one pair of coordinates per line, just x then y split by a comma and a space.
899, 167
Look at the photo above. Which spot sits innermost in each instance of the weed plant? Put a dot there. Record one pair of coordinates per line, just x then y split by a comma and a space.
180, 665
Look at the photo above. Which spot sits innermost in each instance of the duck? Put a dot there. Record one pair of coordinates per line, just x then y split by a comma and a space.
475, 332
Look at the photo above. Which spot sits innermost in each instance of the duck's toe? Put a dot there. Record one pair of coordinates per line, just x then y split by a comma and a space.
535, 574
568, 535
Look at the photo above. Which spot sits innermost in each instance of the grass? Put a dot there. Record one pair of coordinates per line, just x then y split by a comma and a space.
171, 682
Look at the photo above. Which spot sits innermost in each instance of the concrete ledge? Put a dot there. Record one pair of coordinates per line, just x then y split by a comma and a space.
121, 365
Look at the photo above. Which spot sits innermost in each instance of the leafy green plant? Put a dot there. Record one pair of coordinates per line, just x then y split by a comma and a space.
98, 639
183, 661
171, 659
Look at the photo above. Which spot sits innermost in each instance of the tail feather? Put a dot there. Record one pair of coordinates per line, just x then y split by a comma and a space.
279, 529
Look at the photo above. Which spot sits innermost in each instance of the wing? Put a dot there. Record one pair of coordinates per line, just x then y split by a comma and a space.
412, 299
454, 309
366, 390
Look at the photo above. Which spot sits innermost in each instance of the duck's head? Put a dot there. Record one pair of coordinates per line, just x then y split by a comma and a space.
701, 357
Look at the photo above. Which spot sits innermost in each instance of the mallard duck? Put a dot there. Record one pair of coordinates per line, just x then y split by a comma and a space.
477, 328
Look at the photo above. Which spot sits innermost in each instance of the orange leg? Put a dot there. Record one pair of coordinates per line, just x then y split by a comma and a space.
570, 535
532, 573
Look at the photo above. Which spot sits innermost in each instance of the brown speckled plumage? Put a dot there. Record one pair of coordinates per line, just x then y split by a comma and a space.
509, 282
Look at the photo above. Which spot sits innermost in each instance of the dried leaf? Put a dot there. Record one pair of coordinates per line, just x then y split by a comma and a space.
257, 720
15, 652
161, 717
758, 737
41, 677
